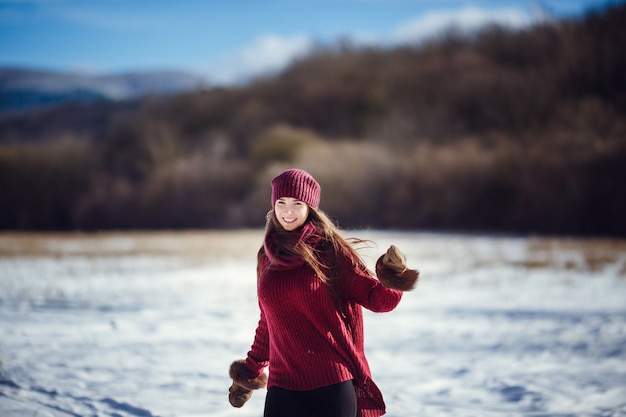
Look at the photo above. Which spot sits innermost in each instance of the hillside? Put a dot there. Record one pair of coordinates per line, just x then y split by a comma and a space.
27, 89
505, 130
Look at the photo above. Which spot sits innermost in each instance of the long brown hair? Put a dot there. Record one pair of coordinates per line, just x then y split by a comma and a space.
324, 259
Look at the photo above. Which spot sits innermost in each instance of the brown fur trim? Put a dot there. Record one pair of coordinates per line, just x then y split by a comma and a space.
393, 273
242, 376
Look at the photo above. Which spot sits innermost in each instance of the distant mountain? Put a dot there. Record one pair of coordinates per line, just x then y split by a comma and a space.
27, 89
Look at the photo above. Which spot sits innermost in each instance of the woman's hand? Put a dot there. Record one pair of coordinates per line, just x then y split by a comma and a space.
243, 383
393, 273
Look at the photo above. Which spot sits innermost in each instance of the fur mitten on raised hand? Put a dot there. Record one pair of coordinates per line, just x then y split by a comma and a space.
243, 383
393, 273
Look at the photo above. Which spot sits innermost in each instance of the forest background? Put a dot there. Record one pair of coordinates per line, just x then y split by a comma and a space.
502, 130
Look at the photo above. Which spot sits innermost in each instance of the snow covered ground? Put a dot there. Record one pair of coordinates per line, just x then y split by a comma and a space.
147, 324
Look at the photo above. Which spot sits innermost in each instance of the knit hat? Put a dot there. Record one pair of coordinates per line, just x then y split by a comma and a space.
298, 184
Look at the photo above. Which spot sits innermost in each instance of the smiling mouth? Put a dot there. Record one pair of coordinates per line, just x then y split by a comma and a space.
289, 220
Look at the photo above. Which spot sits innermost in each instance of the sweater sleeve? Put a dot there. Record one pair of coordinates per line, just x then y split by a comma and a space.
258, 356
364, 289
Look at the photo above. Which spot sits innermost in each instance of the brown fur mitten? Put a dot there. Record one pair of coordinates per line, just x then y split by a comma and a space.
238, 395
244, 382
393, 273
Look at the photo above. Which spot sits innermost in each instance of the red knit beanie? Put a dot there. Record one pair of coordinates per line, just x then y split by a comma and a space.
298, 184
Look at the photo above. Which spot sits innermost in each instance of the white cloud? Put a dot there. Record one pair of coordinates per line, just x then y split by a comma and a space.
264, 54
466, 19
271, 52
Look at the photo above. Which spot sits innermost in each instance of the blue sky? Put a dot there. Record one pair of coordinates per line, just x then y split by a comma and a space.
230, 39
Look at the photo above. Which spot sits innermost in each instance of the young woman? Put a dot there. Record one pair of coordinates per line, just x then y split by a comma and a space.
311, 286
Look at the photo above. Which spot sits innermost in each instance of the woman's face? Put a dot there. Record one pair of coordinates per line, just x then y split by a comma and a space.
291, 213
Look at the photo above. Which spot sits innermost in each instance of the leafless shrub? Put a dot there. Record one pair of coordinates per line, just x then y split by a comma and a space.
281, 143
41, 182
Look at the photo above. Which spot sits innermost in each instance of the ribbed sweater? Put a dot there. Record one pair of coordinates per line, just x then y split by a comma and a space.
303, 338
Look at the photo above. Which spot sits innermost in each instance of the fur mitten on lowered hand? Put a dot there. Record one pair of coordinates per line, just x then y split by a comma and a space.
243, 383
393, 273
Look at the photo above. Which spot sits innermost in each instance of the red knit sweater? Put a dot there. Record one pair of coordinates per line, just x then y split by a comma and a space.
303, 338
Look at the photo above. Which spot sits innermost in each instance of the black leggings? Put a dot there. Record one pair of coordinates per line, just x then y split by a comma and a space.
338, 400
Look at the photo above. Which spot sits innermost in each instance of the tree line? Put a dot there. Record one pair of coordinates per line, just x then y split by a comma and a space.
501, 130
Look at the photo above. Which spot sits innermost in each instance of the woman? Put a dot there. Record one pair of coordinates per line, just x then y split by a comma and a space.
311, 285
